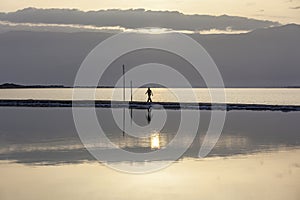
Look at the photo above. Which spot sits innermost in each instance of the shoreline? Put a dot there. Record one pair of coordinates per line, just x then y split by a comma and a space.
145, 105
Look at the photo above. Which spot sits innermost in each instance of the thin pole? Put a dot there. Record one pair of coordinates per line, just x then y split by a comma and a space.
123, 82
131, 114
131, 91
123, 100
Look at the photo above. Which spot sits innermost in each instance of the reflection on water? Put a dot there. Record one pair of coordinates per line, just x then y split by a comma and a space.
155, 141
41, 157
49, 136
149, 115
264, 176
272, 96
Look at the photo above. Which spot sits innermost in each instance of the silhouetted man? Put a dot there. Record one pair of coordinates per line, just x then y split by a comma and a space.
149, 93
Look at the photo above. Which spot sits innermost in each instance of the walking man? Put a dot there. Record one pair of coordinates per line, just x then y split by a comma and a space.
149, 93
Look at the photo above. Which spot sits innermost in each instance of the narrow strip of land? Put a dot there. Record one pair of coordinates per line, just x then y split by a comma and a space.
144, 105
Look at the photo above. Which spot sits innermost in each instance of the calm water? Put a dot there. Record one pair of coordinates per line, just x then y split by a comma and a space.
278, 96
256, 157
262, 176
42, 157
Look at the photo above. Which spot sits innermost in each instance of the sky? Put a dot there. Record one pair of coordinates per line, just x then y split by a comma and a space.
284, 11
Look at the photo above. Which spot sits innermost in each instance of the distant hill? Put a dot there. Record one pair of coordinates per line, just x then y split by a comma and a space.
12, 85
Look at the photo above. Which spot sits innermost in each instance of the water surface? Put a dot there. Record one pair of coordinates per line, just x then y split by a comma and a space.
271, 96
42, 157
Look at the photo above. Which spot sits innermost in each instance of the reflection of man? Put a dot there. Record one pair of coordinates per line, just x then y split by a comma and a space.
149, 116
149, 93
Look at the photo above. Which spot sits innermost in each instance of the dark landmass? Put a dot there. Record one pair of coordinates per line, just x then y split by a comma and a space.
12, 86
145, 105
19, 86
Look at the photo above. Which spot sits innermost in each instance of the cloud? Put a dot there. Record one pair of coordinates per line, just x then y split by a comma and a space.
250, 4
295, 8
245, 60
6, 26
134, 18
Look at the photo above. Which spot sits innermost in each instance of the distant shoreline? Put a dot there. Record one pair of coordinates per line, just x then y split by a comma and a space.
145, 105
19, 86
